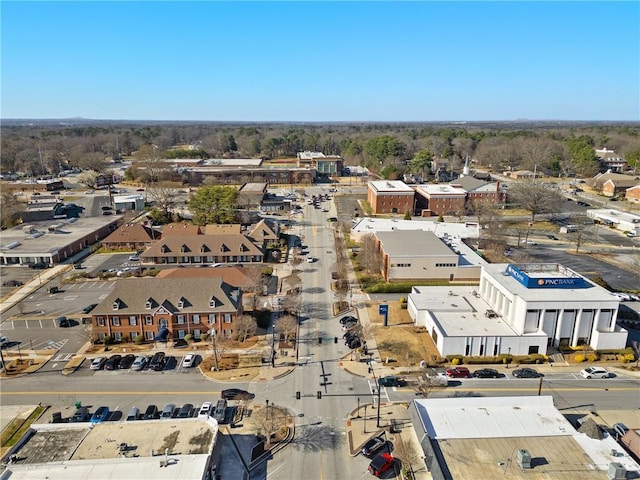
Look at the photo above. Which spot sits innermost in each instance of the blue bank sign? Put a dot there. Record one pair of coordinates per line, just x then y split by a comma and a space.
542, 282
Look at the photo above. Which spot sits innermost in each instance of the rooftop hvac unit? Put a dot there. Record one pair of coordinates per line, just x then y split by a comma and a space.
617, 471
37, 234
524, 459
28, 229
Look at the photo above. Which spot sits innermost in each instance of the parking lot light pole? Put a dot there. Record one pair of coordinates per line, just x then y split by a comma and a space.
213, 346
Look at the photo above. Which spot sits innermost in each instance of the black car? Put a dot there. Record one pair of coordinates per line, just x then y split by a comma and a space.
81, 414
237, 394
185, 411
13, 283
63, 322
126, 361
113, 362
39, 266
526, 373
391, 381
485, 373
151, 413
88, 308
372, 446
347, 319
157, 361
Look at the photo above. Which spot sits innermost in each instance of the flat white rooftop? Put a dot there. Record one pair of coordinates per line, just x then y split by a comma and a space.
456, 231
440, 189
391, 186
593, 294
493, 417
614, 215
459, 312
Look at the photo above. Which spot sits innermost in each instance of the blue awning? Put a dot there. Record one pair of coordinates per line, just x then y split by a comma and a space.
162, 335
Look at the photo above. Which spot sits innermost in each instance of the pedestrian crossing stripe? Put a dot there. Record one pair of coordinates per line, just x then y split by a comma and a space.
63, 357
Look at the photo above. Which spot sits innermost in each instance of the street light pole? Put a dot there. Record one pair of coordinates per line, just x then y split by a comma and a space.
213, 346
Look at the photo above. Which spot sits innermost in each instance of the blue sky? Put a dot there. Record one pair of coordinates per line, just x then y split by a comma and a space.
321, 61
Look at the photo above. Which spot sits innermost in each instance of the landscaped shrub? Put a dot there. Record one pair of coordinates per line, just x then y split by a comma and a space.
263, 318
108, 340
579, 358
139, 339
188, 337
627, 357
592, 357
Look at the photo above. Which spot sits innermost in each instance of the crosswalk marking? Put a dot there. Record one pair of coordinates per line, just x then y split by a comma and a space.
63, 357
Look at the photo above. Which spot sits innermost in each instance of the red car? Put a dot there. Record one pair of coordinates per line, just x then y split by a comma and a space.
458, 372
380, 464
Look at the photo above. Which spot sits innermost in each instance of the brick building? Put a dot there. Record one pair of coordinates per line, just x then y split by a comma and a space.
131, 236
144, 306
440, 199
390, 196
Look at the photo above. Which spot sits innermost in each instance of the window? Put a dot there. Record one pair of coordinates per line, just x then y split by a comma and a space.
148, 335
227, 332
184, 259
212, 318
116, 305
196, 334
180, 320
197, 259
212, 302
181, 333
147, 305
181, 304
148, 320
227, 318
133, 320
196, 318
115, 321
117, 336
102, 336
100, 321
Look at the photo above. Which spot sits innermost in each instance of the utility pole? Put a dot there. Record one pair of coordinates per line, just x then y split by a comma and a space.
213, 346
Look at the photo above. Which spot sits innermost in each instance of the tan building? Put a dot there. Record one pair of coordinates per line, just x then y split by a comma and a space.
131, 236
416, 254
202, 250
440, 199
390, 196
144, 306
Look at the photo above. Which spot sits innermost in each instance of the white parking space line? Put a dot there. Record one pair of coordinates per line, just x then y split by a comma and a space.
82, 285
7, 325
102, 297
70, 297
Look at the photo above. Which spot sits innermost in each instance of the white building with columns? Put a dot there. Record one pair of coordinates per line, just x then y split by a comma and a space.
519, 309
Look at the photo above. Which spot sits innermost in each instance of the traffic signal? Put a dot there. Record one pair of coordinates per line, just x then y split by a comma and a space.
335, 339
297, 395
319, 340
319, 394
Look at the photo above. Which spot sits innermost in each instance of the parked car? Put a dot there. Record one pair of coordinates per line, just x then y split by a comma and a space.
134, 414
81, 414
98, 363
185, 410
157, 361
622, 296
100, 415
370, 448
349, 324
189, 361
134, 258
552, 237
236, 394
4, 341
205, 410
619, 430
139, 363
529, 242
168, 411
311, 259
380, 464
526, 373
88, 308
126, 361
391, 381
458, 372
180, 343
595, 372
486, 373
220, 411
63, 322
53, 290
151, 413
347, 319
113, 362
12, 283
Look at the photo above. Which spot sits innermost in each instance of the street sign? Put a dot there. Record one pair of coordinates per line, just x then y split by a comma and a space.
383, 309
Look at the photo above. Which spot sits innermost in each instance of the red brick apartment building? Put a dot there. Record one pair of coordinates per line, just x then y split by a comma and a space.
390, 196
144, 306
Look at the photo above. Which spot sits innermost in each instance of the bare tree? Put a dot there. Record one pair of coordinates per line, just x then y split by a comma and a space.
370, 256
9, 206
246, 326
292, 304
255, 288
286, 325
580, 236
536, 198
163, 194
269, 420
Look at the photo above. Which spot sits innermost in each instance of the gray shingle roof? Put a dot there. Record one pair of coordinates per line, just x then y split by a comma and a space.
413, 243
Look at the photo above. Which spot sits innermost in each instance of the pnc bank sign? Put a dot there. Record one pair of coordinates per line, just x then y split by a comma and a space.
549, 282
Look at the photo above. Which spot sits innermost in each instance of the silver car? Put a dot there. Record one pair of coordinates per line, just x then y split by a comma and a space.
139, 363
